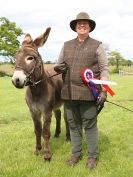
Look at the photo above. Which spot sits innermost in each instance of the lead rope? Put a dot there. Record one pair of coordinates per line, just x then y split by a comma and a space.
119, 106
45, 78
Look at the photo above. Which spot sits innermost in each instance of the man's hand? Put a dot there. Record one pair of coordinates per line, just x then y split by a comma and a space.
61, 68
101, 98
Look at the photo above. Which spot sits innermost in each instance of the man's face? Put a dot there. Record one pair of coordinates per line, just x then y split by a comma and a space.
82, 27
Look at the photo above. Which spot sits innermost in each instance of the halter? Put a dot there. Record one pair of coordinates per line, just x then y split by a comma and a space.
29, 74
29, 81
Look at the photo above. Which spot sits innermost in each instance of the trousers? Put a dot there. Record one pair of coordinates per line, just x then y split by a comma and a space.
82, 115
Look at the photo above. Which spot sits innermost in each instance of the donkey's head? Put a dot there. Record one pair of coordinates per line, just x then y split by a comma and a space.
29, 65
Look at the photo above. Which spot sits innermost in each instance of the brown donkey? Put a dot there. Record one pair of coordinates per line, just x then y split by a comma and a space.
43, 91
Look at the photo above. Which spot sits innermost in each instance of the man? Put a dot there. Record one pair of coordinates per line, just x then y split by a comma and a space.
80, 103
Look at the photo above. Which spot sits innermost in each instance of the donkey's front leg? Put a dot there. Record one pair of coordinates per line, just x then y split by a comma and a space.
46, 135
38, 131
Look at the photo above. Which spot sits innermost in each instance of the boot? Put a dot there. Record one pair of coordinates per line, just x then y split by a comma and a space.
73, 160
91, 163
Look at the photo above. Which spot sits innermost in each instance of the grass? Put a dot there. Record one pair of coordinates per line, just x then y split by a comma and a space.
7, 68
17, 138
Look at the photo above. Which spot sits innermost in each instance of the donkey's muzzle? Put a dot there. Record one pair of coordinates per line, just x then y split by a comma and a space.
17, 83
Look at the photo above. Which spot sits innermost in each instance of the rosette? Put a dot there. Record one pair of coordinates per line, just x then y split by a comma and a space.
88, 79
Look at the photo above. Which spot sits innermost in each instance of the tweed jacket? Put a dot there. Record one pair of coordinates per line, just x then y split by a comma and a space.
79, 56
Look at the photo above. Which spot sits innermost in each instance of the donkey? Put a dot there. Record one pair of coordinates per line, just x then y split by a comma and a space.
43, 94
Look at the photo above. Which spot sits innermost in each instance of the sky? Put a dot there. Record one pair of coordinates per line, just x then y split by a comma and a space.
114, 22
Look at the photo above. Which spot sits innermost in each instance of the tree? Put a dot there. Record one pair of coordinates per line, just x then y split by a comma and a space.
129, 62
9, 42
115, 58
48, 62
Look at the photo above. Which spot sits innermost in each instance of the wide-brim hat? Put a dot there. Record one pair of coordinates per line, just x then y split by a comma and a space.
83, 16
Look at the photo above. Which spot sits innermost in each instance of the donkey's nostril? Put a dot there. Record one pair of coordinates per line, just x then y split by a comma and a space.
17, 81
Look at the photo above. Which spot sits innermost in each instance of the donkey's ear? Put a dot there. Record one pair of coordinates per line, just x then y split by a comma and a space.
27, 39
42, 39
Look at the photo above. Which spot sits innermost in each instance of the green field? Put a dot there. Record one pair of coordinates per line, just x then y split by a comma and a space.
17, 140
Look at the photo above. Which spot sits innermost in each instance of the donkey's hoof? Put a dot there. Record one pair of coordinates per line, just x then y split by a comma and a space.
37, 152
68, 139
47, 157
56, 136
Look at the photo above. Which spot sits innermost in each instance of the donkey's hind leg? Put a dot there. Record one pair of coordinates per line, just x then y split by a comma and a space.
57, 114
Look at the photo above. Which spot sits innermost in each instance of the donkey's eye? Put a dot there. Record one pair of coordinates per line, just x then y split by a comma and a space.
30, 58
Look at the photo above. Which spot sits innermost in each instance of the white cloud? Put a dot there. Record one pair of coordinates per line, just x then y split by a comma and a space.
113, 18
